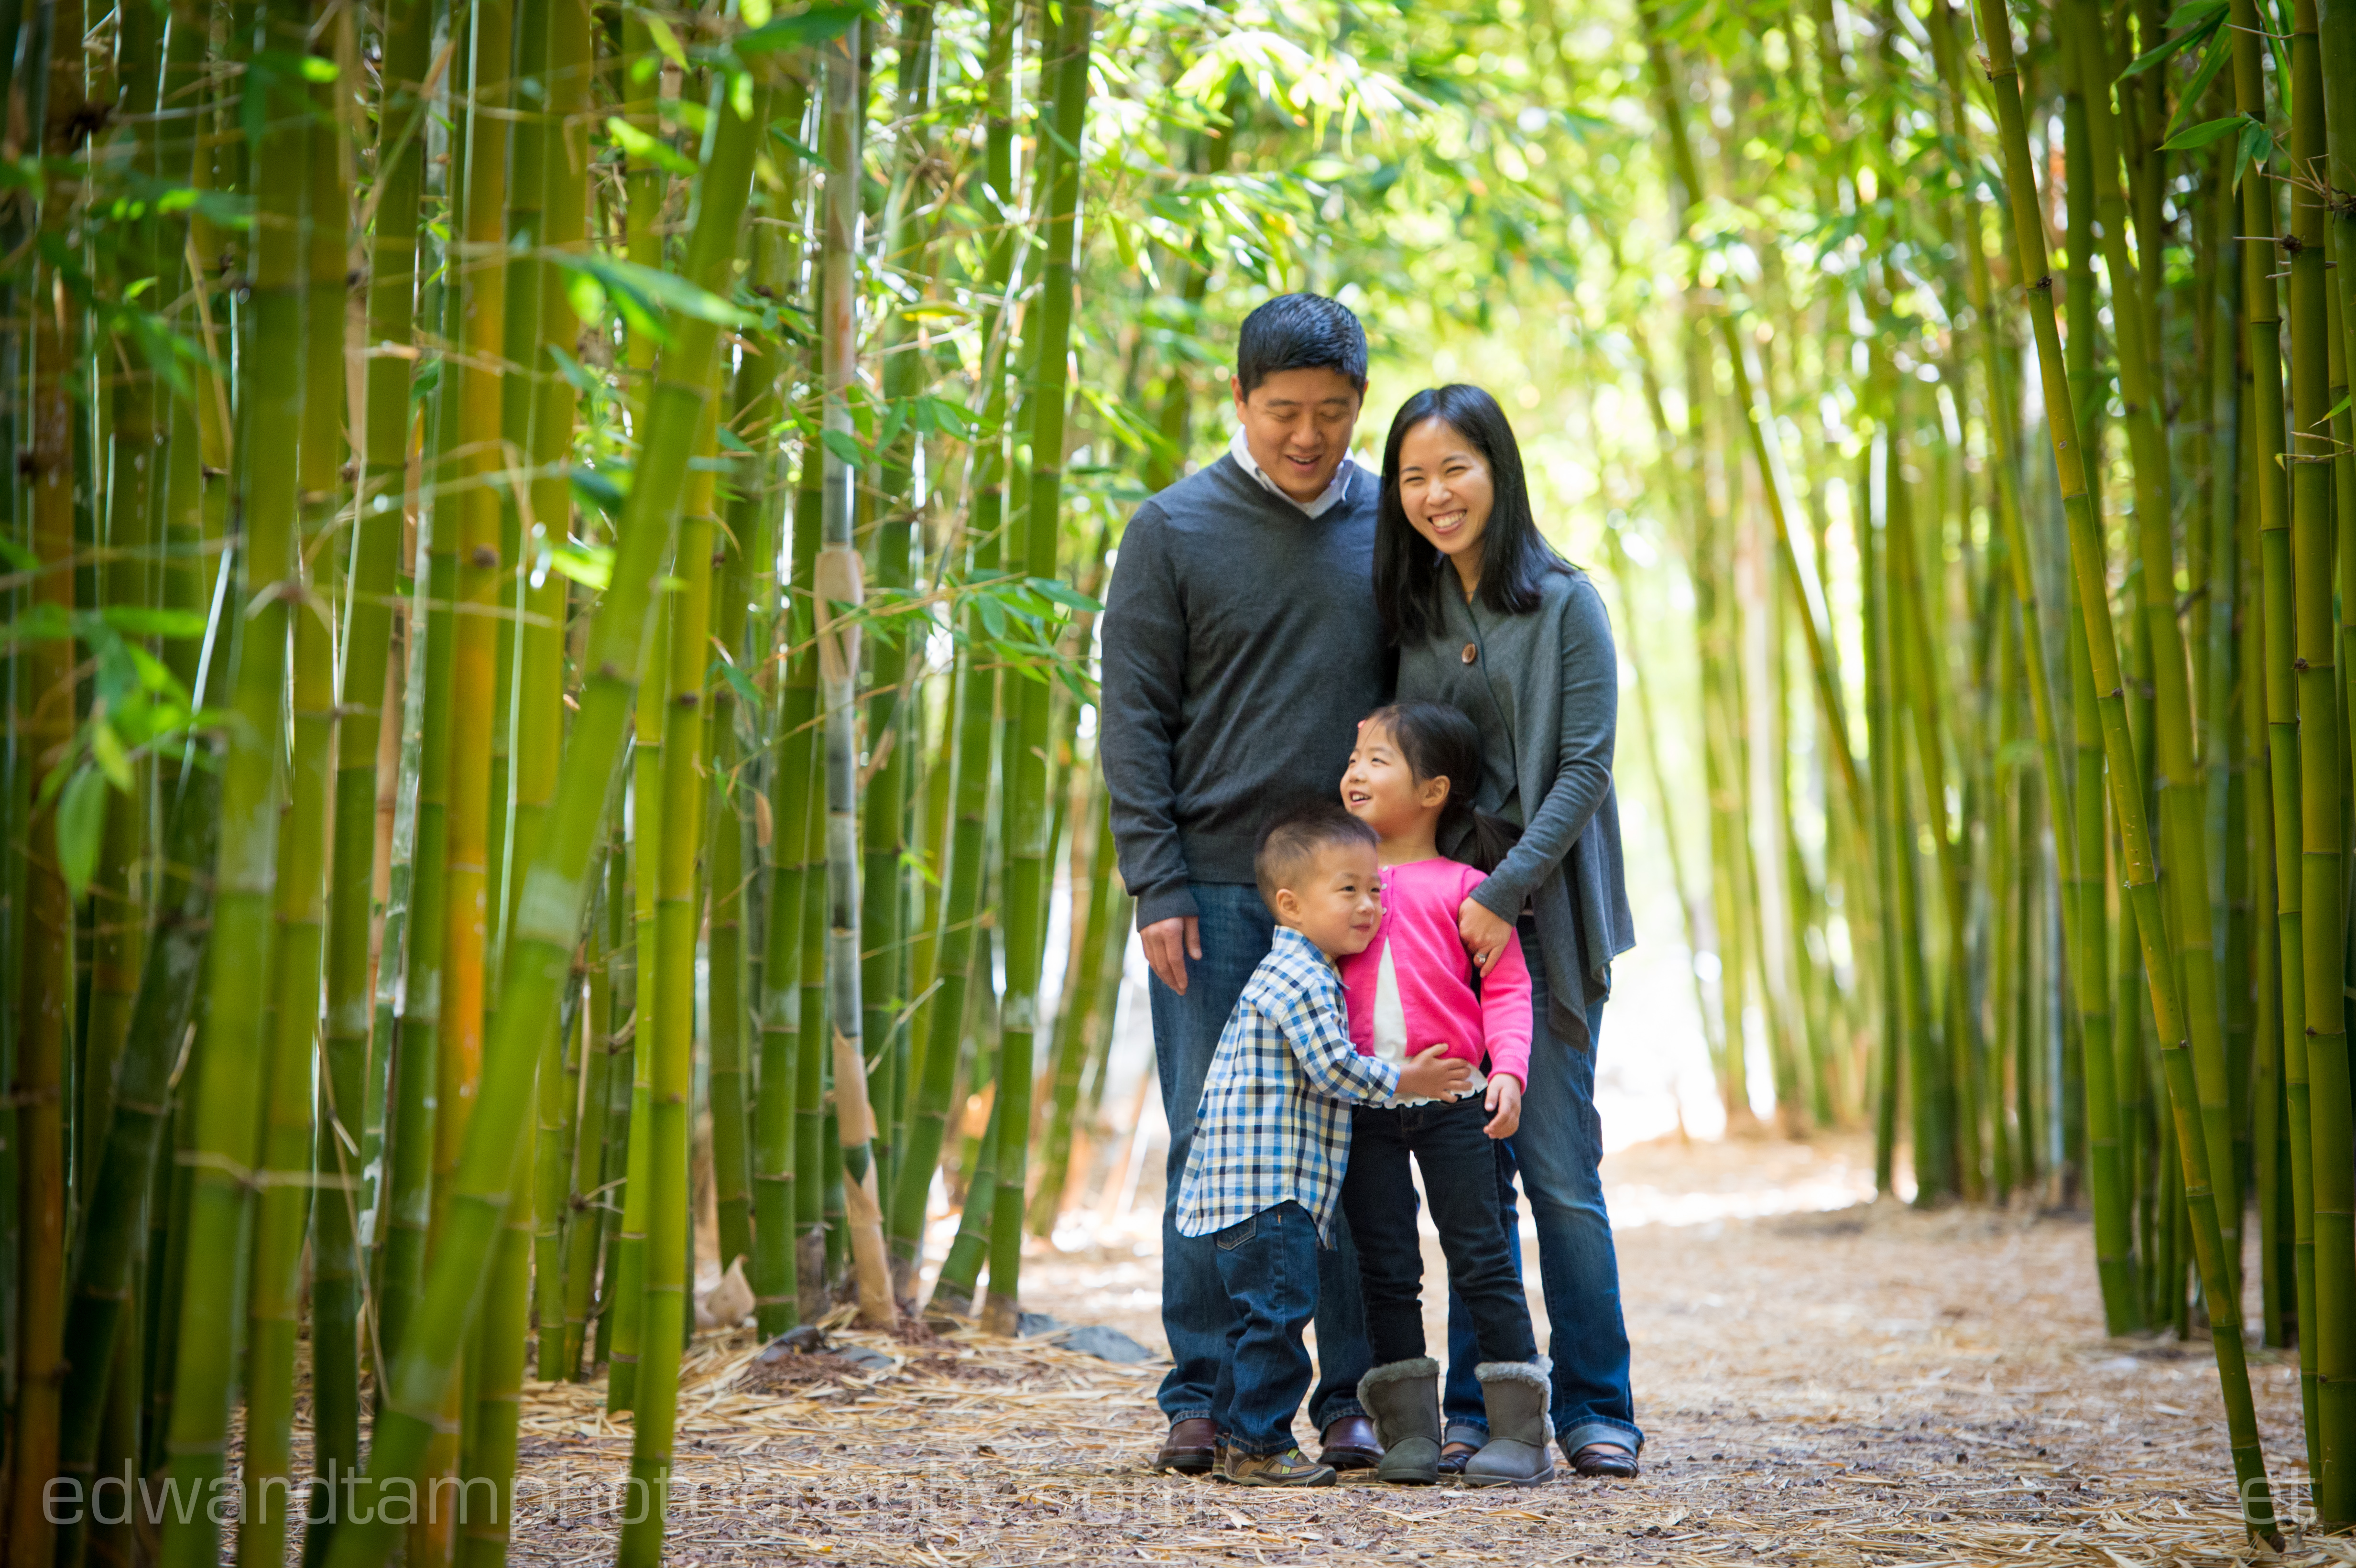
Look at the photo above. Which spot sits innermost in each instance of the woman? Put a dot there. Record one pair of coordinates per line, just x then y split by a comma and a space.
1486, 616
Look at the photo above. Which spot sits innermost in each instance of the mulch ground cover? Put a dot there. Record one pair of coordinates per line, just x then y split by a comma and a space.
1868, 1385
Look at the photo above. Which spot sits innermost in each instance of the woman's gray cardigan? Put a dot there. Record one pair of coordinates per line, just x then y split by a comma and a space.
1545, 690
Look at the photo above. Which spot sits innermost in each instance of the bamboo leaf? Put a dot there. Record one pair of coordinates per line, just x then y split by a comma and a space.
2220, 49
652, 149
132, 621
2212, 18
590, 565
814, 26
2200, 135
2257, 142
81, 827
844, 445
106, 751
1064, 593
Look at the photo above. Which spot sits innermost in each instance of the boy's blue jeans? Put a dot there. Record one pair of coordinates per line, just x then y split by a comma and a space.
1268, 1267
1237, 931
1558, 1152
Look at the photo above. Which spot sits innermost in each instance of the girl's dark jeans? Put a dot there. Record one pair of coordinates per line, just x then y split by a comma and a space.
1459, 1177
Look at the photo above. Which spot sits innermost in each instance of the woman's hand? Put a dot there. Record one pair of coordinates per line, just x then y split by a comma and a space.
1504, 1102
1484, 934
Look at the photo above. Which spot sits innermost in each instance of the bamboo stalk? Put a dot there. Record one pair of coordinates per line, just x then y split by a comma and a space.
548, 915
2322, 769
1026, 798
2086, 557
45, 717
230, 1085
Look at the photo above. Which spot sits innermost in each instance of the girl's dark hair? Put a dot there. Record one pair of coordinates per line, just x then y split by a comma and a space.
1438, 742
1514, 559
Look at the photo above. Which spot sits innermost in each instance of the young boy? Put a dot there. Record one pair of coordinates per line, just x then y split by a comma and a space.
1272, 1135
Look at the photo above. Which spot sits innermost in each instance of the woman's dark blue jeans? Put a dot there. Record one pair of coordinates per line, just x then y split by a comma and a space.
1268, 1265
1558, 1154
1460, 1179
1237, 931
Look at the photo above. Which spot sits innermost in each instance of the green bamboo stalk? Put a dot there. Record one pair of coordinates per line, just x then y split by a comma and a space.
2086, 557
778, 1149
977, 689
2179, 792
628, 1287
496, 1396
837, 587
563, 152
2322, 835
1026, 794
1094, 929
229, 1090
283, 1208
546, 928
670, 1040
599, 1157
729, 807
892, 739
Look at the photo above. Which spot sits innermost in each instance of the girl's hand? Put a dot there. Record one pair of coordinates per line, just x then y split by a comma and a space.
1504, 1106
1484, 934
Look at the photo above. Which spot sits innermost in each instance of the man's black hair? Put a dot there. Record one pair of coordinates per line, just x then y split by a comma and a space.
1300, 331
1291, 839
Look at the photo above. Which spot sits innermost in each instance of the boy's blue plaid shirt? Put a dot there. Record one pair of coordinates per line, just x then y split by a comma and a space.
1273, 1125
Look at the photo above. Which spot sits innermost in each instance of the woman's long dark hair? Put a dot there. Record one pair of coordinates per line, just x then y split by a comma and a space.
1435, 741
1514, 559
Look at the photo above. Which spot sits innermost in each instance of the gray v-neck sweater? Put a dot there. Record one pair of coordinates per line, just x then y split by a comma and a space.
1545, 690
1241, 647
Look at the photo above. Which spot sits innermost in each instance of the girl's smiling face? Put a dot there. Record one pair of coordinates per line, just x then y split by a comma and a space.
1446, 490
1380, 790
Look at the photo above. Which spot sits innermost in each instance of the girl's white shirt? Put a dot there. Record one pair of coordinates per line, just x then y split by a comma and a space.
1390, 1030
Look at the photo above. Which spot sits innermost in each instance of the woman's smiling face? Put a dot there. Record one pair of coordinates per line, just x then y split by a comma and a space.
1446, 490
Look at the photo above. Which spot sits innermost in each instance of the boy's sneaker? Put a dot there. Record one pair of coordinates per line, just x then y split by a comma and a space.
1289, 1469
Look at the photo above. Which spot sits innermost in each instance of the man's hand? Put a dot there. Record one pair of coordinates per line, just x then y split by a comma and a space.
1504, 1105
1485, 935
1432, 1074
1169, 944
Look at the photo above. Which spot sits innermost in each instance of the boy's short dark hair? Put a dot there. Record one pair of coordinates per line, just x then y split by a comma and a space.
1300, 331
1292, 838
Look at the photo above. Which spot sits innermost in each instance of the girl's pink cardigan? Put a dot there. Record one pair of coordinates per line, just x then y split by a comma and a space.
1421, 900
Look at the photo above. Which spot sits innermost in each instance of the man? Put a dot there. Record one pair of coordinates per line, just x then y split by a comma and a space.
1241, 647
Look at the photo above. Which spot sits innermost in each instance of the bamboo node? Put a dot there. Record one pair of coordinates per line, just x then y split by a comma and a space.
485, 557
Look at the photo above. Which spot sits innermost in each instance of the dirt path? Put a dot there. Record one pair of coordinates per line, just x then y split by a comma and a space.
1867, 1385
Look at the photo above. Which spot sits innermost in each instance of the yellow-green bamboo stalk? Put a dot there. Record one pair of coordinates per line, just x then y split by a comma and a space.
2179, 771
1028, 832
2322, 833
549, 912
669, 1249
2087, 564
228, 1084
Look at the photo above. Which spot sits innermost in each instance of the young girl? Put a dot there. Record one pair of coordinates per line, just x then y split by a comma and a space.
1413, 772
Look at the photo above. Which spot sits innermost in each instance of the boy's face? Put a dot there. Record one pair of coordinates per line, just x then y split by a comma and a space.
1298, 424
1337, 900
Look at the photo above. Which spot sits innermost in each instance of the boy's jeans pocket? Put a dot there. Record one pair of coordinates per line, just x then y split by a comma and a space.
1236, 1234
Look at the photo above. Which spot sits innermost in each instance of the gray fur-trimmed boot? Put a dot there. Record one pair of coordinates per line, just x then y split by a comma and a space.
1519, 1452
1403, 1399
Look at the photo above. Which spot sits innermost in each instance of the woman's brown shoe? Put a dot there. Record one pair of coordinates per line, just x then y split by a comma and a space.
1608, 1461
1289, 1469
1350, 1443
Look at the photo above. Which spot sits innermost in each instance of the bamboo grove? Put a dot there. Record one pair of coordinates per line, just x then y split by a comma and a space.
551, 569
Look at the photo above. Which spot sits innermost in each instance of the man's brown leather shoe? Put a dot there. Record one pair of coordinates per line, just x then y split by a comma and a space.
1188, 1448
1351, 1444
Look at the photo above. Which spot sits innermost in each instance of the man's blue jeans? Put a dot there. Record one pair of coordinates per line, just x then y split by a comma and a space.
1558, 1152
1237, 931
1267, 1268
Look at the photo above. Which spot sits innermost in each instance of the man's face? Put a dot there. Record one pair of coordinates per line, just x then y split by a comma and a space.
1297, 424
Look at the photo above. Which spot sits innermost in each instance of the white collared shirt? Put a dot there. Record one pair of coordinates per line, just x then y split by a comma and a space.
1334, 492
